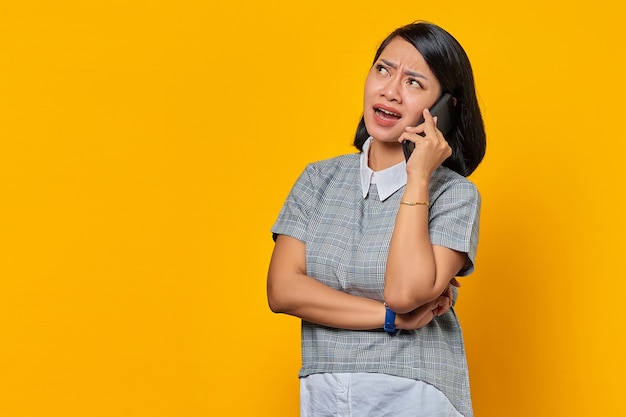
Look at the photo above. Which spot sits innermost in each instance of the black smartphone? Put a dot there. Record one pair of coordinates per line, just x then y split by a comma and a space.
445, 112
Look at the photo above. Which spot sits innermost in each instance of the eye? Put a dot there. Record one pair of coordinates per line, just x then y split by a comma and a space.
414, 83
381, 69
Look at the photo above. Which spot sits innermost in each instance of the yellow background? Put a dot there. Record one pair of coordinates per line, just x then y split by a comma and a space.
146, 148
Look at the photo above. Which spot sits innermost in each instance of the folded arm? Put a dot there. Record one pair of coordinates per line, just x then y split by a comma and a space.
291, 291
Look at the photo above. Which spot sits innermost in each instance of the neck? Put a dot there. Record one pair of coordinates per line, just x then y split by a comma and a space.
383, 155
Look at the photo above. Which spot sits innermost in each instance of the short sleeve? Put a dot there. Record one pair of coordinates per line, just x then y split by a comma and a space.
296, 211
454, 219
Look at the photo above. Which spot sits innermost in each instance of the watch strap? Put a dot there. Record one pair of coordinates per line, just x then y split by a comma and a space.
390, 320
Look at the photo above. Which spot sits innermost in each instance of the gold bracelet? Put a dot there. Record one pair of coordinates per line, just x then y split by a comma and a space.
416, 203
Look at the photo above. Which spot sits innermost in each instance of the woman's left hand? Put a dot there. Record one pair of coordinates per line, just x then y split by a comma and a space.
423, 315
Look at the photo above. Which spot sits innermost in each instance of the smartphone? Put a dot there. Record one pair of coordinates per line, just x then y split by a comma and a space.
445, 112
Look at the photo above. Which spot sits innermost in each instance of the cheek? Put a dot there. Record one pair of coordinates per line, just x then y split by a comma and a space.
368, 88
417, 107
416, 119
415, 115
372, 85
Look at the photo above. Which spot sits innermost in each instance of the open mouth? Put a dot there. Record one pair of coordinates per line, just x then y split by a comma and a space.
386, 114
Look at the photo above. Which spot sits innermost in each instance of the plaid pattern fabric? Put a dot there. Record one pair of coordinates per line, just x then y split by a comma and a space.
347, 241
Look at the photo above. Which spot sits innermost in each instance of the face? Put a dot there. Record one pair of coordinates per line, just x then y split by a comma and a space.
398, 88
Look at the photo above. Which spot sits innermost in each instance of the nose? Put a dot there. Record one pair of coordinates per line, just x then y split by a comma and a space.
391, 90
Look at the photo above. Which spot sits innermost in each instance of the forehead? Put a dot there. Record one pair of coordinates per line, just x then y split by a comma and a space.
401, 52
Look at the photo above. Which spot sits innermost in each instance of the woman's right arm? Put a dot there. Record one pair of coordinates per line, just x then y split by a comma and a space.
291, 291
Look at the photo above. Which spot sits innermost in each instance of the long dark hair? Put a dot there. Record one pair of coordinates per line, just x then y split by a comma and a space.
449, 63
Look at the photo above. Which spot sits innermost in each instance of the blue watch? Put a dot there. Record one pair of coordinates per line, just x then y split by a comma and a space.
390, 320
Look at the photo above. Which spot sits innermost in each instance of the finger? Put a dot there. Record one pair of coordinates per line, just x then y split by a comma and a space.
430, 125
444, 309
441, 311
415, 129
441, 305
419, 129
413, 137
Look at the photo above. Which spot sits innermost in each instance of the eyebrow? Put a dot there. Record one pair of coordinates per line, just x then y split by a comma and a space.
407, 72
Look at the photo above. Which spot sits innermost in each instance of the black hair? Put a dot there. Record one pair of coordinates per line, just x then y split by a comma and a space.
448, 61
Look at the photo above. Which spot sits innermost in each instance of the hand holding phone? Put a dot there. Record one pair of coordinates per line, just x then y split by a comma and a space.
445, 111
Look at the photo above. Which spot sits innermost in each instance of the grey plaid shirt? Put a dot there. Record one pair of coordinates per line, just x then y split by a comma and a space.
347, 241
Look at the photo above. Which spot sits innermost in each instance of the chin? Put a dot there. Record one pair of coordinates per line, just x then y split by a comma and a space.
391, 141
382, 135
386, 137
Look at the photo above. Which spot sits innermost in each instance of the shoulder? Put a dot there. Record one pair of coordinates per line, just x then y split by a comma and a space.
323, 176
334, 168
341, 162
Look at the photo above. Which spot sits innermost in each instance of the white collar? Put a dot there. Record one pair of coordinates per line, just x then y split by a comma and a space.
387, 181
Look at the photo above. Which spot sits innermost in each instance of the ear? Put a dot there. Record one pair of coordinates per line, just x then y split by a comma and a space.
454, 101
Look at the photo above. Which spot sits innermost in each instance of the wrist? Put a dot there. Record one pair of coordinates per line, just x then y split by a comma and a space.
418, 180
416, 188
390, 321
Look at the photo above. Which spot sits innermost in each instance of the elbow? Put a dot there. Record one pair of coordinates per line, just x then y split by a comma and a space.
274, 302
400, 303
405, 301
275, 306
407, 290
276, 299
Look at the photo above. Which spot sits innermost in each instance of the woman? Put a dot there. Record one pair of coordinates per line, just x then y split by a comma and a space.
367, 242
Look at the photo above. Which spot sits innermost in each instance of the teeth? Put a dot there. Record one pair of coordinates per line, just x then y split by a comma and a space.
389, 112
